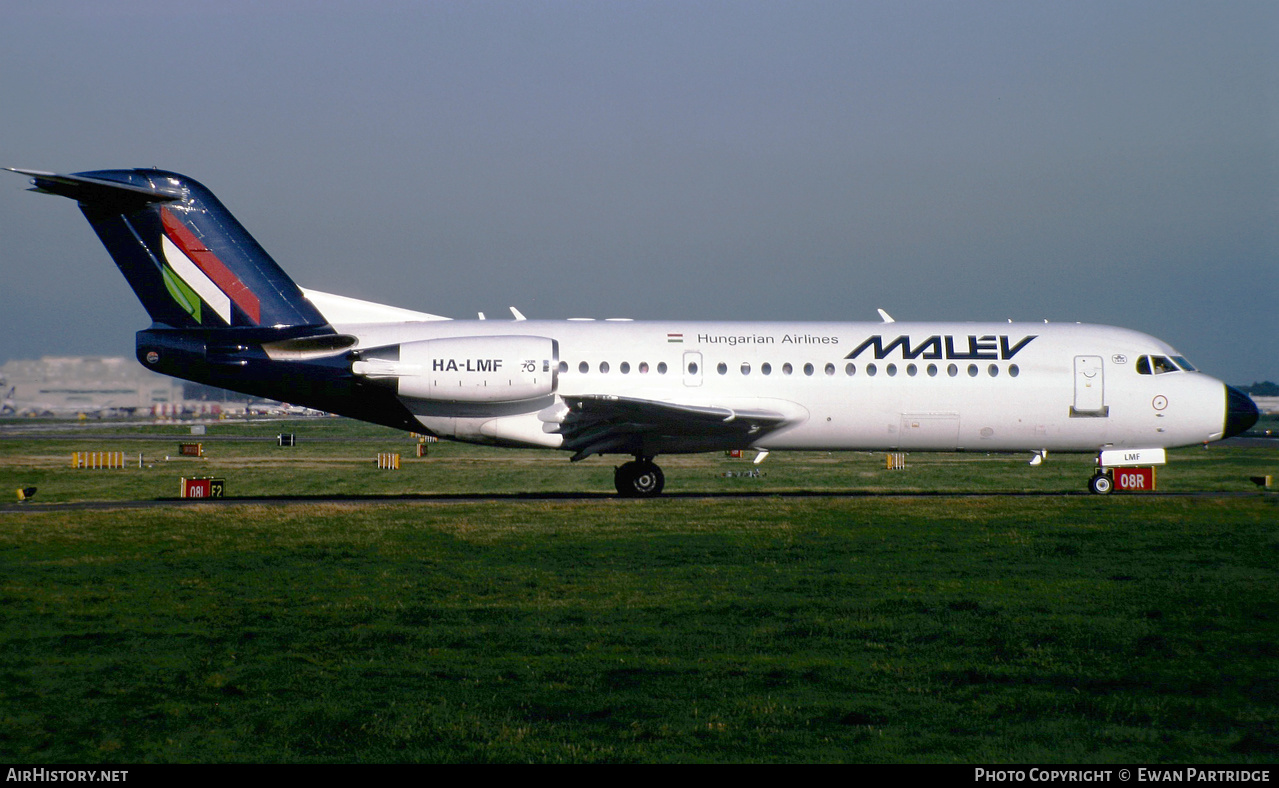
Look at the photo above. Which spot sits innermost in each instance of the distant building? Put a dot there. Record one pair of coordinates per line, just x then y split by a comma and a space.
86, 384
113, 386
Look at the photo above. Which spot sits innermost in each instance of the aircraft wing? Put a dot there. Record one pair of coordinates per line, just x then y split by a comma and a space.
599, 424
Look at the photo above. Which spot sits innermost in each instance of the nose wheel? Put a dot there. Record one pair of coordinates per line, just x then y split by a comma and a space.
1101, 484
639, 478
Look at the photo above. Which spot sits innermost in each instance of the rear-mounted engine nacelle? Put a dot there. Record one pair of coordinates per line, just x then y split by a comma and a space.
468, 369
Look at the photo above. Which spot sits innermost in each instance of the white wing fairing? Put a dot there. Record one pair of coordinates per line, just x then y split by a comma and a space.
606, 424
225, 314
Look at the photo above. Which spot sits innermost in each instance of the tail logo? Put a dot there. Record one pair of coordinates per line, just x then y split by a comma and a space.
194, 275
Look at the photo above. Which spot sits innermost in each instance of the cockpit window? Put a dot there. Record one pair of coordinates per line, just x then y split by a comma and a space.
1183, 363
1158, 365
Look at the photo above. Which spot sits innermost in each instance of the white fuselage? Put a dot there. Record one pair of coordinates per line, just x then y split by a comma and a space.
863, 386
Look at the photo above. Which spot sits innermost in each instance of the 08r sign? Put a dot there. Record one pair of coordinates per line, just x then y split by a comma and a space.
1135, 479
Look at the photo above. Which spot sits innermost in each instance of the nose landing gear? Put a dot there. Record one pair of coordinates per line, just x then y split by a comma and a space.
640, 478
1101, 484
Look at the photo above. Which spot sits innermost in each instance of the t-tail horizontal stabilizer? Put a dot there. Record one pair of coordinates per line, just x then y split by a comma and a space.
186, 257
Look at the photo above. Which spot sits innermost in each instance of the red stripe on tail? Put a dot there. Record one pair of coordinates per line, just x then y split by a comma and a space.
209, 263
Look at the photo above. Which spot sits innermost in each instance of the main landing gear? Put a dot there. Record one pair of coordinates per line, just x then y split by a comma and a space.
639, 478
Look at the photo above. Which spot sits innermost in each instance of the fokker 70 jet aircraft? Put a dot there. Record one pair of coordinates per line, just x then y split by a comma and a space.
225, 314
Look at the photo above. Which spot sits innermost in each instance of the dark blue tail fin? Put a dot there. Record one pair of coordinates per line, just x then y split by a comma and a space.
190, 262
225, 314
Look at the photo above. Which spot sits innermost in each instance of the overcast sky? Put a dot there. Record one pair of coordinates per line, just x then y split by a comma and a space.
1110, 162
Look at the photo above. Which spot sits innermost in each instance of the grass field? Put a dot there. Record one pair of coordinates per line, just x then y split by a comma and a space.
865, 626
337, 457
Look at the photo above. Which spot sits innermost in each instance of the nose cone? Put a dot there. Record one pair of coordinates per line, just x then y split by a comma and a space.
1241, 412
